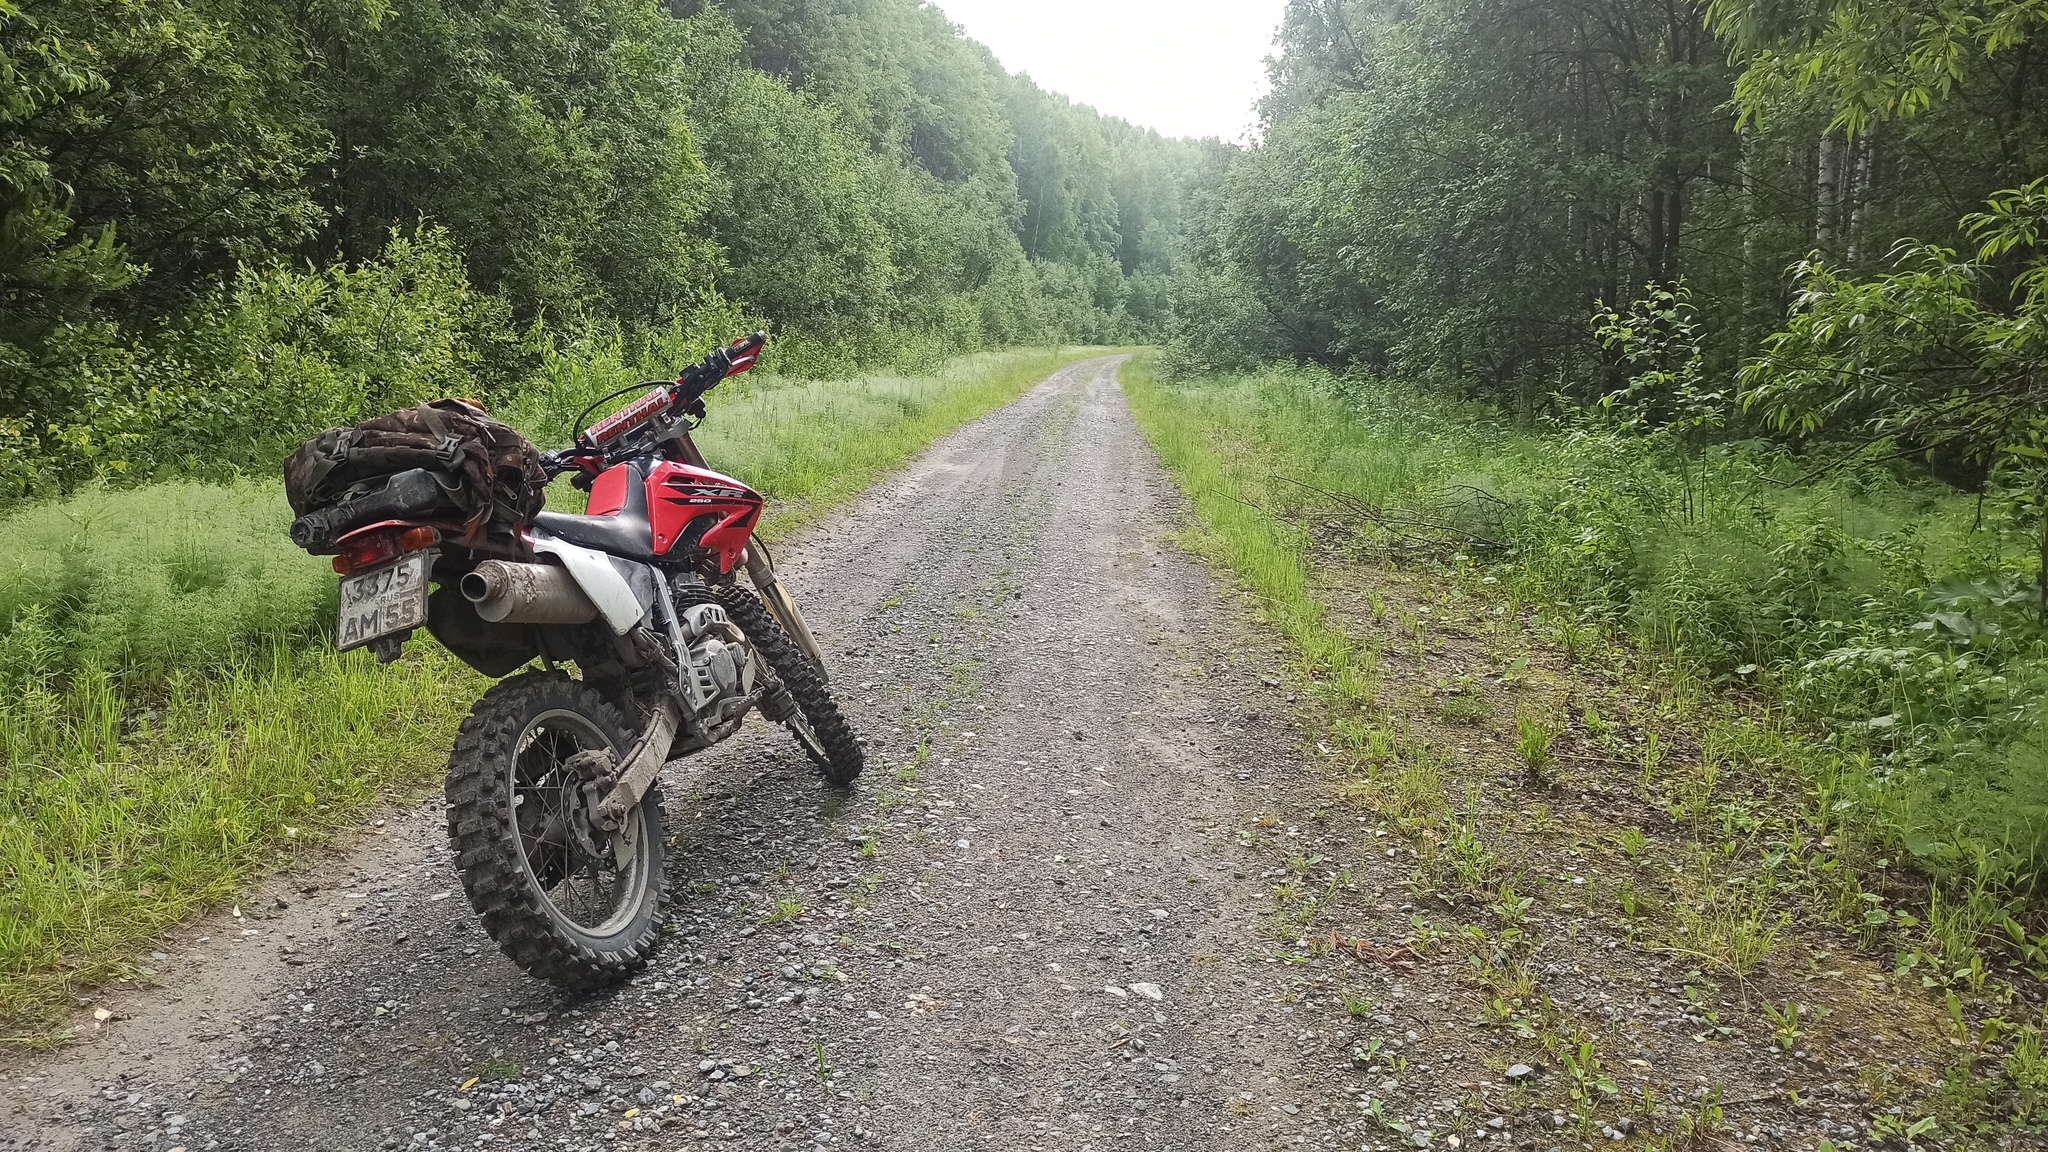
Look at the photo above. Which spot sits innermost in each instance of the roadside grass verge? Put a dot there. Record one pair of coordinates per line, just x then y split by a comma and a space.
1792, 847
121, 816
174, 720
1878, 624
1227, 477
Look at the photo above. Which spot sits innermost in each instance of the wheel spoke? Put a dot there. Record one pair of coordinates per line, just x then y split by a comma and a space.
586, 889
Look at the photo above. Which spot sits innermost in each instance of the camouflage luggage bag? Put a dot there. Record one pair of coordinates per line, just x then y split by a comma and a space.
445, 459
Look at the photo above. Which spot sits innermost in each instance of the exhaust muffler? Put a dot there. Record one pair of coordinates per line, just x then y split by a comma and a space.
509, 593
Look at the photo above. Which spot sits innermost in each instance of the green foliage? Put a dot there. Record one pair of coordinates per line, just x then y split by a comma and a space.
1873, 606
257, 365
1870, 63
1656, 342
1941, 358
1266, 552
1943, 355
1533, 737
1444, 188
155, 136
550, 137
924, 196
798, 222
138, 149
170, 719
1447, 186
225, 224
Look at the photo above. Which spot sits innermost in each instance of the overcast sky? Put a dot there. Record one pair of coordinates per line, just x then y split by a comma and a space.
1184, 67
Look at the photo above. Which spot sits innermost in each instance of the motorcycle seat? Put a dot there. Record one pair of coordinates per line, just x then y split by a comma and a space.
626, 533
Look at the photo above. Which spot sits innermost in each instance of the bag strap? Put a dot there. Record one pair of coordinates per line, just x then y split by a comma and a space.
329, 457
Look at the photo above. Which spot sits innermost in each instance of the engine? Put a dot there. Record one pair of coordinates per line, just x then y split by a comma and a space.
718, 672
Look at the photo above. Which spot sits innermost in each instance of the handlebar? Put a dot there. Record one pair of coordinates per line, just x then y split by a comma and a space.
729, 361
685, 392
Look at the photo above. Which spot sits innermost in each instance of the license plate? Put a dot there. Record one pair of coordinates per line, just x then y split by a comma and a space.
389, 599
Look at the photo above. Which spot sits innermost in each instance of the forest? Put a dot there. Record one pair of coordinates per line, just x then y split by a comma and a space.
227, 224
1713, 333
1446, 191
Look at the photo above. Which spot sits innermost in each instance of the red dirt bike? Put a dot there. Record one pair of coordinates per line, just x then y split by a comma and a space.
554, 804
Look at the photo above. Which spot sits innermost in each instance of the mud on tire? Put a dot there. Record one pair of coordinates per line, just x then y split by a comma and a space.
818, 726
521, 871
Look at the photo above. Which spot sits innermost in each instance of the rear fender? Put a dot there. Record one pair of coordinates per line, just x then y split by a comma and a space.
621, 604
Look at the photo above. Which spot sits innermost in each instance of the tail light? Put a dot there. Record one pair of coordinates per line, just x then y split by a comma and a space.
374, 550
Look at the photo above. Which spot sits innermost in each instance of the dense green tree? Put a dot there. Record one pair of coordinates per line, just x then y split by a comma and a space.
549, 136
792, 193
1449, 186
198, 189
1448, 189
143, 149
975, 170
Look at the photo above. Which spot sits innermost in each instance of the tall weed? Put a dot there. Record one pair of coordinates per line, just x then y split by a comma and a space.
119, 812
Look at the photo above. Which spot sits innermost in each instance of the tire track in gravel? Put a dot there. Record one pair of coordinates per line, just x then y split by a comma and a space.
1030, 926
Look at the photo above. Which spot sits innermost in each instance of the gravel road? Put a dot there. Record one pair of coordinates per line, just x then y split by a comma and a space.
1033, 924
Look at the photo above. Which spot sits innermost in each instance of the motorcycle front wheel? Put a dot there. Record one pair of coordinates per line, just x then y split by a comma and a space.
814, 717
567, 901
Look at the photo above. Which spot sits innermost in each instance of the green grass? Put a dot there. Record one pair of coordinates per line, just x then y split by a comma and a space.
1865, 621
122, 811
174, 720
142, 582
1221, 476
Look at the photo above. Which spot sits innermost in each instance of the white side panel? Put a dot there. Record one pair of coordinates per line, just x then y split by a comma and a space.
599, 580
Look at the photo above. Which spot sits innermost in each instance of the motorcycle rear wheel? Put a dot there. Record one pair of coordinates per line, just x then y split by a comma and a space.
566, 901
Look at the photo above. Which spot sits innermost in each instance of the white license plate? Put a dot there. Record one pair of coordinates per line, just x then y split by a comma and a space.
386, 600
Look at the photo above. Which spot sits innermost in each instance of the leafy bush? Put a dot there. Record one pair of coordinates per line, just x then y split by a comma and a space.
258, 365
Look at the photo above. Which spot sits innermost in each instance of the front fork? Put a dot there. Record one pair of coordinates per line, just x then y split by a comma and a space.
762, 572
643, 762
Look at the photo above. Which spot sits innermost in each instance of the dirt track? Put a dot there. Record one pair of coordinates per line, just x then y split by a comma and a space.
1029, 926
1092, 894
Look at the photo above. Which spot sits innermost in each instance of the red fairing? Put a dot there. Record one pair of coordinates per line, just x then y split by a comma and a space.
678, 494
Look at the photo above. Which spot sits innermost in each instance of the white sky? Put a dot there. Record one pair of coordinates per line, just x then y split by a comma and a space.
1184, 67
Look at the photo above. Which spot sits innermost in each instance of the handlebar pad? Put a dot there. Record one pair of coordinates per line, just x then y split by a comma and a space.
628, 418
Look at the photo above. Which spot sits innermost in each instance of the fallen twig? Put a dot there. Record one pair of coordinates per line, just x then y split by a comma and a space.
1361, 950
